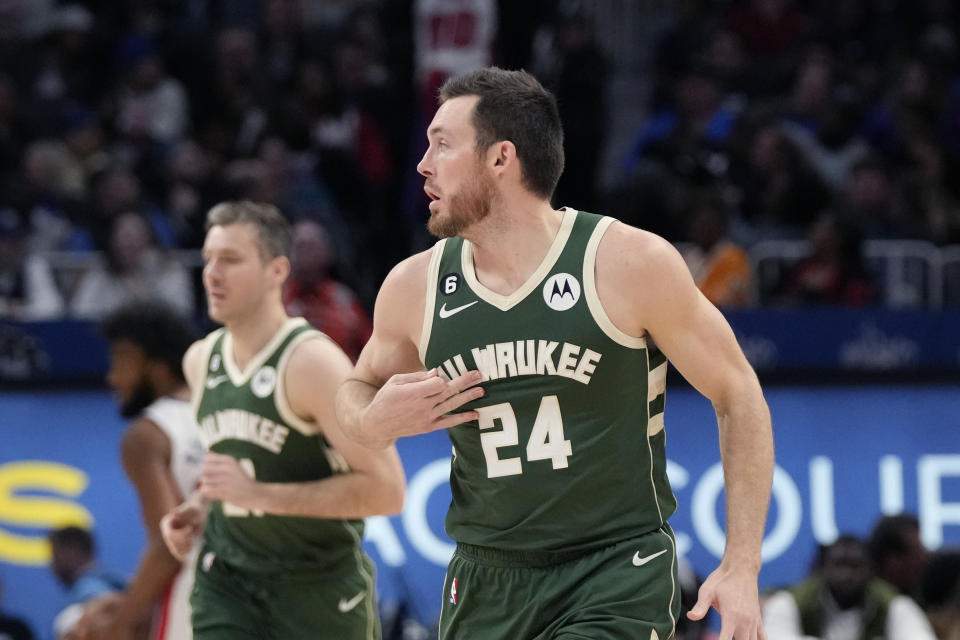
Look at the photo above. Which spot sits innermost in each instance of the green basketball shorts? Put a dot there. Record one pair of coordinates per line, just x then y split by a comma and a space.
337, 604
626, 591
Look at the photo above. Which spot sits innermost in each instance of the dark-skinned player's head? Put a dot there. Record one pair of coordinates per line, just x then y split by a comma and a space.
147, 342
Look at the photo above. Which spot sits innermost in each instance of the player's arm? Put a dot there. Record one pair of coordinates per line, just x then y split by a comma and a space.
646, 287
185, 522
146, 461
389, 395
372, 485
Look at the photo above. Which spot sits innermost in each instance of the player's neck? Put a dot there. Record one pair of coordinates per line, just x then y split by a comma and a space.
511, 243
252, 332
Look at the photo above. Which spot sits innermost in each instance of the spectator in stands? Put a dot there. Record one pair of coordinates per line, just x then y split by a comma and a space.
12, 628
809, 96
833, 273
13, 131
313, 293
84, 137
720, 267
780, 194
153, 106
119, 190
941, 593
135, 268
771, 28
192, 190
28, 290
835, 147
872, 204
579, 80
699, 121
898, 555
843, 601
50, 189
681, 146
66, 67
74, 563
231, 109
928, 191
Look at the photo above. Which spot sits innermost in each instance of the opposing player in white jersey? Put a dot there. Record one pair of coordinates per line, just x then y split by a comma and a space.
162, 454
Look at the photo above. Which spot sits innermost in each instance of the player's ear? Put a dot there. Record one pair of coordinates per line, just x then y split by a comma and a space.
280, 268
503, 154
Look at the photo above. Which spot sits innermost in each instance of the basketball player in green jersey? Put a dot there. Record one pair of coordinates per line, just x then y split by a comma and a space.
528, 333
282, 491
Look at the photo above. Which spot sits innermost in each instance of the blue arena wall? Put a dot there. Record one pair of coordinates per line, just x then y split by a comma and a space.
844, 455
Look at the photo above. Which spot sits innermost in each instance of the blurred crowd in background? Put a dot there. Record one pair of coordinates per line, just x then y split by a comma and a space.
733, 128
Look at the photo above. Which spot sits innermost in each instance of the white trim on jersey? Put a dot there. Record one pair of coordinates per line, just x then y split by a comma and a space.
238, 377
433, 278
593, 298
505, 303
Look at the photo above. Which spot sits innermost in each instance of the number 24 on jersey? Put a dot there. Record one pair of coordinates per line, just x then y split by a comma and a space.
546, 439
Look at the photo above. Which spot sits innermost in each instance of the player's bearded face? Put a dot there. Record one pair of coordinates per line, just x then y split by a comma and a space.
470, 204
139, 398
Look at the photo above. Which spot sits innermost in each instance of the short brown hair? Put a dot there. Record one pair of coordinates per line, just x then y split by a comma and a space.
273, 230
514, 106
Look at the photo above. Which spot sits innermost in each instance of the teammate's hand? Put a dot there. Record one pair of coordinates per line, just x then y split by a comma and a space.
222, 478
414, 403
733, 593
181, 526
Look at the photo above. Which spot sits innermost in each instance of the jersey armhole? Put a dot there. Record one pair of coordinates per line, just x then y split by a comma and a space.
430, 300
593, 297
206, 349
310, 429
280, 392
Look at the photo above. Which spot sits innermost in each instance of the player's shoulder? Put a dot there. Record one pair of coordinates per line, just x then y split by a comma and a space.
404, 288
636, 252
194, 358
144, 440
315, 352
410, 272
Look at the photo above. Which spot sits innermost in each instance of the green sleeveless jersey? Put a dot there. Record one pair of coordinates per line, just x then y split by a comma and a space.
245, 414
568, 452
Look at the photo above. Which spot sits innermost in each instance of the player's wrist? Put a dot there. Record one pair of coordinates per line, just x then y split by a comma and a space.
371, 430
741, 563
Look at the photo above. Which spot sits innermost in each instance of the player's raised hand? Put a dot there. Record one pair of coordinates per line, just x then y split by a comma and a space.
180, 526
413, 403
733, 593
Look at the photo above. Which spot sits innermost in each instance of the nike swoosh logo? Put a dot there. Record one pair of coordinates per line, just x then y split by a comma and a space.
639, 562
213, 383
446, 313
346, 605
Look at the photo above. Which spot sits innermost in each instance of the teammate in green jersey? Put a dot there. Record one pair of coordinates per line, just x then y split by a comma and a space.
282, 491
538, 338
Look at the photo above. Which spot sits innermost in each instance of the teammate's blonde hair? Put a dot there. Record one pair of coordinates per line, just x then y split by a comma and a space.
273, 230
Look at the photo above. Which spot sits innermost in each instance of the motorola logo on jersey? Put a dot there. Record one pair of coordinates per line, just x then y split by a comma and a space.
215, 362
561, 291
263, 382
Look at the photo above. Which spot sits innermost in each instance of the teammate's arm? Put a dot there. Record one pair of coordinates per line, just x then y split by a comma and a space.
389, 395
646, 287
374, 482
